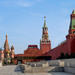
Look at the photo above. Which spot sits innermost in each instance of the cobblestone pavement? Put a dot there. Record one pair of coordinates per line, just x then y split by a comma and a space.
14, 70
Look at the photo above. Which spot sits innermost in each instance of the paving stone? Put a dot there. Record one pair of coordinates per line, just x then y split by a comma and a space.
15, 70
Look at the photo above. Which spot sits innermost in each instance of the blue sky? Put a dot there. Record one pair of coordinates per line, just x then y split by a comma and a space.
22, 20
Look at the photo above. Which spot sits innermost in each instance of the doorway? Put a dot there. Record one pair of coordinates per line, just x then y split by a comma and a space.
19, 62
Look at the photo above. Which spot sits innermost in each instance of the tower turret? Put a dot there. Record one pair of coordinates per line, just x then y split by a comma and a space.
72, 26
45, 44
12, 47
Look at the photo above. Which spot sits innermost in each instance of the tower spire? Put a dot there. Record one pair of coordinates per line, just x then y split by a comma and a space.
6, 37
45, 21
45, 31
6, 45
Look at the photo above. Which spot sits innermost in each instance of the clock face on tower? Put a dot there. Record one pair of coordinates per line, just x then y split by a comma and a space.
46, 36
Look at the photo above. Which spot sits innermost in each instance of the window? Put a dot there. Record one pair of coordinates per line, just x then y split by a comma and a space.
73, 32
74, 26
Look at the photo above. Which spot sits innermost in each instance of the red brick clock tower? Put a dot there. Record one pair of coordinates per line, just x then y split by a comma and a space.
45, 44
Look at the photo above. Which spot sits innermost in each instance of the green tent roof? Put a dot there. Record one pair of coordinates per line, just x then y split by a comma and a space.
73, 12
72, 23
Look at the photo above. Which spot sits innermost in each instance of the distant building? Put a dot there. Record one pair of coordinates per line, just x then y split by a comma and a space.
33, 53
7, 54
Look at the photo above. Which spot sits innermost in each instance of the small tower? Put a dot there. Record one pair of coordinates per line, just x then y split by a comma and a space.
45, 44
71, 36
12, 51
1, 55
6, 51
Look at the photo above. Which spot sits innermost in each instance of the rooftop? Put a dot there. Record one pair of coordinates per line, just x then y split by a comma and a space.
32, 46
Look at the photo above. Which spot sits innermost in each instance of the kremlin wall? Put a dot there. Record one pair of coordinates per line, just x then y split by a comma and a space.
33, 53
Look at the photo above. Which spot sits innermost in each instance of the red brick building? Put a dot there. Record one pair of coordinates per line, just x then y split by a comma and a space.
68, 46
33, 53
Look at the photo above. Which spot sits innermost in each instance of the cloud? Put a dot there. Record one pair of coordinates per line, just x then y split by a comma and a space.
15, 3
22, 3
